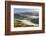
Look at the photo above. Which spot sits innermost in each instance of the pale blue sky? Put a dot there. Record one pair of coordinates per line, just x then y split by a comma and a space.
20, 10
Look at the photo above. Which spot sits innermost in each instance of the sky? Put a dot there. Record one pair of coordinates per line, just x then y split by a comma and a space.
20, 10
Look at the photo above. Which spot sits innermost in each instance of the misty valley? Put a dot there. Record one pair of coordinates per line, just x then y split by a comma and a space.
26, 19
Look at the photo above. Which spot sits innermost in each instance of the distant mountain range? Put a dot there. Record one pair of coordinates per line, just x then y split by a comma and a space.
28, 13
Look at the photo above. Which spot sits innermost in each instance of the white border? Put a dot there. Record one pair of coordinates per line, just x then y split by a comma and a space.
25, 28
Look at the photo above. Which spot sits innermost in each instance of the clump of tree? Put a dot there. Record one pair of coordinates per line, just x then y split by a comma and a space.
36, 21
